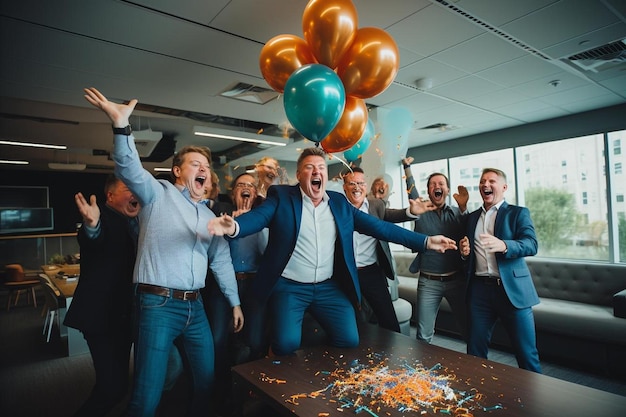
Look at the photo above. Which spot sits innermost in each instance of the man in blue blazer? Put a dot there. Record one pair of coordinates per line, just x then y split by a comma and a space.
499, 236
309, 261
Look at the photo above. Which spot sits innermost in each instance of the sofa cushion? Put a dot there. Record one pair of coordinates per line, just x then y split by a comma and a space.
585, 321
589, 283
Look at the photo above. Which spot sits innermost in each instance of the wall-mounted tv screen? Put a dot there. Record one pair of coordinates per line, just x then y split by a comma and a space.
23, 196
22, 220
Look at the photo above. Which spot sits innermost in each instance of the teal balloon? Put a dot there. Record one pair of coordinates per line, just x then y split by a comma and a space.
359, 148
314, 99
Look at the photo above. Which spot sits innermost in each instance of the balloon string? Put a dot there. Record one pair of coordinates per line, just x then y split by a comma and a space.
345, 163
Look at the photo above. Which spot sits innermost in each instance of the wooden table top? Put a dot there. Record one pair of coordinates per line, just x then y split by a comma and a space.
65, 286
390, 374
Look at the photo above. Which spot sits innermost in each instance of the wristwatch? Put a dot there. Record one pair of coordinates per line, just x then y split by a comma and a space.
122, 130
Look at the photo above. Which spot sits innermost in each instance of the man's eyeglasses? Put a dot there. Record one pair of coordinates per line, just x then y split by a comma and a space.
245, 185
355, 184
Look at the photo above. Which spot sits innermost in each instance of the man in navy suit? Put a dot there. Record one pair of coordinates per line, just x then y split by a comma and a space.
309, 262
499, 236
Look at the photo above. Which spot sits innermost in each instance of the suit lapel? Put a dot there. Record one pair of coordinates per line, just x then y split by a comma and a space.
497, 227
296, 199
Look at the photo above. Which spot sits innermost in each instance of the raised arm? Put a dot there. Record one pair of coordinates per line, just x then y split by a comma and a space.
118, 113
89, 211
411, 190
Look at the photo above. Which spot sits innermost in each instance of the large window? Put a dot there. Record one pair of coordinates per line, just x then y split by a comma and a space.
576, 204
570, 220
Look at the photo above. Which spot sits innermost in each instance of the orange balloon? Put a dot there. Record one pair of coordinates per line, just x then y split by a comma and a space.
350, 127
329, 27
370, 64
281, 56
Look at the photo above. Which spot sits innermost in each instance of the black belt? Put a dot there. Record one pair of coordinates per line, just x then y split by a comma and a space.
489, 279
189, 295
442, 278
361, 268
244, 275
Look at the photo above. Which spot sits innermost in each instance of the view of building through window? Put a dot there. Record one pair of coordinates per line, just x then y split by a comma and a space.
574, 189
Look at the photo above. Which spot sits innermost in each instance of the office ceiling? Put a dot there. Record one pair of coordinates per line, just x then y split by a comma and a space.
488, 65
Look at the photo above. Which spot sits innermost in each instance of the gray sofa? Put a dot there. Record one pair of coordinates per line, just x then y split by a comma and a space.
580, 321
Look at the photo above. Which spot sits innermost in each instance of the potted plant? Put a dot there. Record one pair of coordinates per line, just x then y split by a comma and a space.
57, 259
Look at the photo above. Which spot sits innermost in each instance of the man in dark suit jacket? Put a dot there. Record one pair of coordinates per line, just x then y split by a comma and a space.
309, 261
102, 304
373, 257
500, 286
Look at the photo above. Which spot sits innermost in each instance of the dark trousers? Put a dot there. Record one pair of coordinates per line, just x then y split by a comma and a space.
230, 348
488, 303
110, 353
374, 289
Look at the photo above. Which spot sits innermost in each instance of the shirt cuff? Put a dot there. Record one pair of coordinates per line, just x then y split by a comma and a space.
236, 233
92, 232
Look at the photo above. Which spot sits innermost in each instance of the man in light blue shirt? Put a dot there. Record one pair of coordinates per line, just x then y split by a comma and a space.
174, 252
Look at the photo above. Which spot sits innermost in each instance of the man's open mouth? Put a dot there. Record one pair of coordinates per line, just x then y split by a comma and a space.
245, 194
438, 193
200, 180
134, 203
487, 192
316, 183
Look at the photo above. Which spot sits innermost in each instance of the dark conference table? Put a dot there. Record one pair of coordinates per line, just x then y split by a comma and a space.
390, 374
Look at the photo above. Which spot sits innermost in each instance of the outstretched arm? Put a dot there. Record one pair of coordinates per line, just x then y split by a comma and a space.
222, 225
440, 243
419, 206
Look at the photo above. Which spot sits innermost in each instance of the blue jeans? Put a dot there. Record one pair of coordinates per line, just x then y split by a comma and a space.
328, 304
429, 295
160, 320
488, 303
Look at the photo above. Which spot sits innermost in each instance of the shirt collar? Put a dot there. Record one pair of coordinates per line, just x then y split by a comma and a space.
497, 206
185, 192
325, 197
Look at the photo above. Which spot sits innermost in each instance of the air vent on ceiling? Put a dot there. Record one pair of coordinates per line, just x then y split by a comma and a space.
601, 58
250, 93
453, 7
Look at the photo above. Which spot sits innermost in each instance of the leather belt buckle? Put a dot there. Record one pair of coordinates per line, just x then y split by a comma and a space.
187, 295
490, 280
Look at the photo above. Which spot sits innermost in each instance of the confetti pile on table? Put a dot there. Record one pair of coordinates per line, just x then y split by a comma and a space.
376, 387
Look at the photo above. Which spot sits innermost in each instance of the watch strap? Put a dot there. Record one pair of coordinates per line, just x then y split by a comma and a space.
122, 130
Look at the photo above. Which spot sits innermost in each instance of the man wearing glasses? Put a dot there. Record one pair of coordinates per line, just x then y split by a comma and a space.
373, 257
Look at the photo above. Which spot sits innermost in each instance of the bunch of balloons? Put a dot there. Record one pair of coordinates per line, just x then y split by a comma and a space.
326, 76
